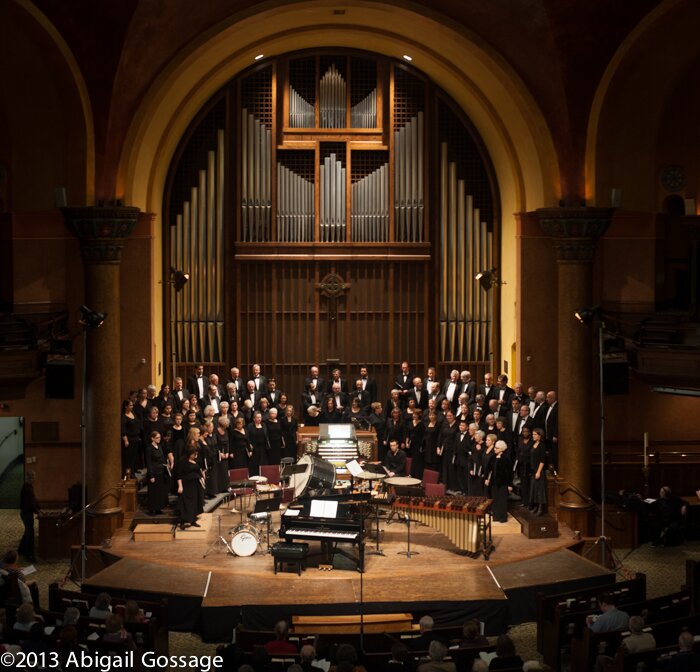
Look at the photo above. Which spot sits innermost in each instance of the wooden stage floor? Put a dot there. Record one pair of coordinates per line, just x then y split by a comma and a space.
437, 573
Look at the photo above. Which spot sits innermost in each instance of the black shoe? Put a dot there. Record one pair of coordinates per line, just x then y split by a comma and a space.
540, 510
196, 525
182, 526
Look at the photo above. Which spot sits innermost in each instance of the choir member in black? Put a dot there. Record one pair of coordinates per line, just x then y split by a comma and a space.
239, 445
488, 460
142, 405
410, 410
194, 406
275, 440
152, 423
258, 444
395, 401
463, 451
414, 443
463, 414
189, 487
185, 407
395, 460
355, 411
234, 413
502, 431
330, 414
478, 420
448, 446
431, 459
538, 489
166, 419
378, 420
523, 465
313, 416
502, 483
28, 507
395, 429
222, 444
476, 482
177, 445
282, 405
444, 407
157, 465
164, 397
290, 430
264, 408
209, 459
191, 420
131, 437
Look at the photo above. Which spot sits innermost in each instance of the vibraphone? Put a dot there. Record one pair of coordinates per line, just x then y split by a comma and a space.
465, 521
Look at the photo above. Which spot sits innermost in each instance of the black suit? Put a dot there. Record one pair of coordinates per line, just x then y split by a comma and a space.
343, 385
210, 401
538, 415
469, 389
193, 387
519, 426
238, 382
341, 400
363, 397
403, 383
421, 403
320, 385
176, 396
371, 389
455, 398
508, 393
273, 397
261, 385
488, 395
255, 399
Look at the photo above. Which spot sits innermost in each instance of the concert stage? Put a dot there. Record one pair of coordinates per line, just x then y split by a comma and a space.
211, 595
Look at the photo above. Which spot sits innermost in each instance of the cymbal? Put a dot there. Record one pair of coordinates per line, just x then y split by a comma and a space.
230, 510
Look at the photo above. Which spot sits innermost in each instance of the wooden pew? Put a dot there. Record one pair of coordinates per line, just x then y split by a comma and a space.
560, 616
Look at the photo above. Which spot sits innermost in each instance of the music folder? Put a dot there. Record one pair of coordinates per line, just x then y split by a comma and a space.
291, 469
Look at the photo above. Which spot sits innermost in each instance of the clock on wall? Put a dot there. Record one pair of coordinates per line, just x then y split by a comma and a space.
673, 178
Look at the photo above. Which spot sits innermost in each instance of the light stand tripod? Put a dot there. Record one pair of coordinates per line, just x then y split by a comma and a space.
219, 541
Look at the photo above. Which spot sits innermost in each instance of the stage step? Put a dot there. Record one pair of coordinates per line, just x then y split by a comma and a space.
153, 532
196, 533
536, 527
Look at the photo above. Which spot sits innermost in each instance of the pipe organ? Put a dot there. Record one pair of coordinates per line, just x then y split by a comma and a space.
347, 160
197, 245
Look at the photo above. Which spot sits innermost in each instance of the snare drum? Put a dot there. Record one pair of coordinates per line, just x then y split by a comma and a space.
401, 485
245, 539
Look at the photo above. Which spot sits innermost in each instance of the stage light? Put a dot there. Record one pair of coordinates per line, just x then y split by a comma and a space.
408, 58
180, 279
585, 315
91, 319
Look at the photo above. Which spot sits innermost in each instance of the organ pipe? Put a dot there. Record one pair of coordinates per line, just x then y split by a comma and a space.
256, 203
408, 181
465, 248
301, 112
364, 113
332, 215
332, 99
295, 207
370, 207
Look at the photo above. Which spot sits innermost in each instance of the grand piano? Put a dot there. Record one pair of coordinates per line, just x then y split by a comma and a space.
331, 519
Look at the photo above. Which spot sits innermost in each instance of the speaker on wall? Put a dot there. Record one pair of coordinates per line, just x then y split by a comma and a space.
60, 380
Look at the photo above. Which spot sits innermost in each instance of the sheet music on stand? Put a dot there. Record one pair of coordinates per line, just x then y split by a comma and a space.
322, 508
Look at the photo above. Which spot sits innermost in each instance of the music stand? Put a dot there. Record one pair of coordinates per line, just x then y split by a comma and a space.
408, 552
267, 506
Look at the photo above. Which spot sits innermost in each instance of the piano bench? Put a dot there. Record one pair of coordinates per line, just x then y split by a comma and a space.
294, 554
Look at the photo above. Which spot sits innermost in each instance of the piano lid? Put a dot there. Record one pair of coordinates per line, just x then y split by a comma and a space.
340, 431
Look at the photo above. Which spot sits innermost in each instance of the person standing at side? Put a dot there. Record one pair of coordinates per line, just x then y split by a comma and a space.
28, 508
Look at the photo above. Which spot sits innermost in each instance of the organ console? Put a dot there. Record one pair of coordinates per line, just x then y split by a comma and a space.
465, 521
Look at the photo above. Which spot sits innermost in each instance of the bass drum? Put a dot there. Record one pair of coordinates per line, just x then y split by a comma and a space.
245, 539
319, 475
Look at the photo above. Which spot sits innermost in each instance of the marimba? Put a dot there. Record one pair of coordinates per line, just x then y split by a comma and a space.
465, 521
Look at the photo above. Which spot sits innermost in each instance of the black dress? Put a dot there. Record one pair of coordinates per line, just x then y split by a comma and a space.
192, 497
257, 438
431, 459
333, 417
415, 435
289, 434
502, 478
238, 445
538, 488
476, 482
131, 428
274, 442
449, 442
222, 442
524, 470
488, 459
156, 469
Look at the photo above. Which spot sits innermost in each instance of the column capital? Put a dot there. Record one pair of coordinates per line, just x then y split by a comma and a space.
101, 230
574, 231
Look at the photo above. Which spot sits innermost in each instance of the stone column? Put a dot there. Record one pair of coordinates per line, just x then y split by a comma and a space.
102, 232
575, 232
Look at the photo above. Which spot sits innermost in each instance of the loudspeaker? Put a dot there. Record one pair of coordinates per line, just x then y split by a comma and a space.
60, 377
616, 378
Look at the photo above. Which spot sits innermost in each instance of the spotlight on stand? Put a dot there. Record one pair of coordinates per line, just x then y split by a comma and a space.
178, 279
91, 319
488, 279
585, 315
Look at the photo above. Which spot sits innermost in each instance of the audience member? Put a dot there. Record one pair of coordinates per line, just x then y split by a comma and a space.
400, 657
506, 656
422, 642
638, 640
611, 618
280, 644
308, 659
102, 607
686, 660
436, 663
471, 634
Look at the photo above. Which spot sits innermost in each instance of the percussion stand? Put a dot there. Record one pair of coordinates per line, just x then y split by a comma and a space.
376, 550
219, 541
408, 552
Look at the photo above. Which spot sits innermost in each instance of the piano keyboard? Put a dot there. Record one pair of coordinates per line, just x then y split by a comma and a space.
337, 535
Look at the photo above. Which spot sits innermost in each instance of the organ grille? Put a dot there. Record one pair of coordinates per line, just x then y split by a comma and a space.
363, 93
197, 247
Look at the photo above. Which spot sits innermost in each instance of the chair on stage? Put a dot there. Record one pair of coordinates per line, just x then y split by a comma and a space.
430, 476
271, 472
239, 484
434, 489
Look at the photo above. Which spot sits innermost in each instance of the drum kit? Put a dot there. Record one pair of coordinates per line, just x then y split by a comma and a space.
246, 538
